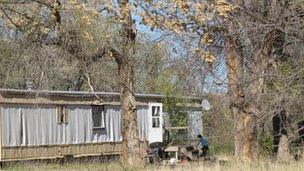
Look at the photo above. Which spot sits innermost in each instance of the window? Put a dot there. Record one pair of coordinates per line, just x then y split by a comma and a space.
155, 116
98, 117
62, 114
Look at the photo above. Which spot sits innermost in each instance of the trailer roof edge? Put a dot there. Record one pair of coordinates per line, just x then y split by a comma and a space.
87, 94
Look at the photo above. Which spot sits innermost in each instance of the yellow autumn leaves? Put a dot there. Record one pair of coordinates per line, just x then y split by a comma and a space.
177, 15
172, 15
223, 8
206, 39
84, 13
206, 56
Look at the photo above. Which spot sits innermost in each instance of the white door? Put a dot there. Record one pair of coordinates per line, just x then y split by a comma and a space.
155, 122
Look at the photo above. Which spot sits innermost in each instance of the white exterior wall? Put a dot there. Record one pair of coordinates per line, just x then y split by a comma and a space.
30, 125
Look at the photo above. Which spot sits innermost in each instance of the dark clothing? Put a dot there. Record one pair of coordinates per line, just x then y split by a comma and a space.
204, 143
204, 151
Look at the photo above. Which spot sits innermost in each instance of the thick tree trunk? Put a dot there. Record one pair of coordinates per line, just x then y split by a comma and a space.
246, 142
245, 98
245, 137
133, 154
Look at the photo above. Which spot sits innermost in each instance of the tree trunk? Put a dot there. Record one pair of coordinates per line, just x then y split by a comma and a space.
245, 138
278, 122
245, 99
281, 141
284, 154
132, 153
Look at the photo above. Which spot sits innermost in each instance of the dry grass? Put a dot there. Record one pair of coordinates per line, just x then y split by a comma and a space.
263, 166
228, 165
71, 167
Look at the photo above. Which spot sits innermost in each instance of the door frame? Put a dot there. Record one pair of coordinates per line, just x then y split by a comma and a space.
155, 130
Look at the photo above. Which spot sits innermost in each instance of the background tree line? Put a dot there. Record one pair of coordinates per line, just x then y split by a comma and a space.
249, 51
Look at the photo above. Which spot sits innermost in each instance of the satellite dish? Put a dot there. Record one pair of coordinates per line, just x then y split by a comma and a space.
206, 105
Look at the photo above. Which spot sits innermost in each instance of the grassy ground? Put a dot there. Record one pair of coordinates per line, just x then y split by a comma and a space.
72, 166
240, 167
228, 165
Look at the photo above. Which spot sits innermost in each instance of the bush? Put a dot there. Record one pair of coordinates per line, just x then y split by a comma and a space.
266, 145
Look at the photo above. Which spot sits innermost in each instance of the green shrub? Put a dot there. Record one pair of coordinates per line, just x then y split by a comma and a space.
266, 145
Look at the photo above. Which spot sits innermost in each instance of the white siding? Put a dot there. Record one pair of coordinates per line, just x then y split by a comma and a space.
37, 125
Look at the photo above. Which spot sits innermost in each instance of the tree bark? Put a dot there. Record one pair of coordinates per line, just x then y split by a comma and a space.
245, 139
132, 153
281, 140
245, 99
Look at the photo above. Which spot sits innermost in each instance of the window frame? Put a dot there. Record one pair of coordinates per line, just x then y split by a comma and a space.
62, 114
157, 117
102, 117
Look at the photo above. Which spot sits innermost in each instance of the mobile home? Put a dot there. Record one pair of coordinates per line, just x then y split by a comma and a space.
54, 124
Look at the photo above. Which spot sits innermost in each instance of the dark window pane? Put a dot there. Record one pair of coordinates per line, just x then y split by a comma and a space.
97, 116
155, 123
155, 110
62, 114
